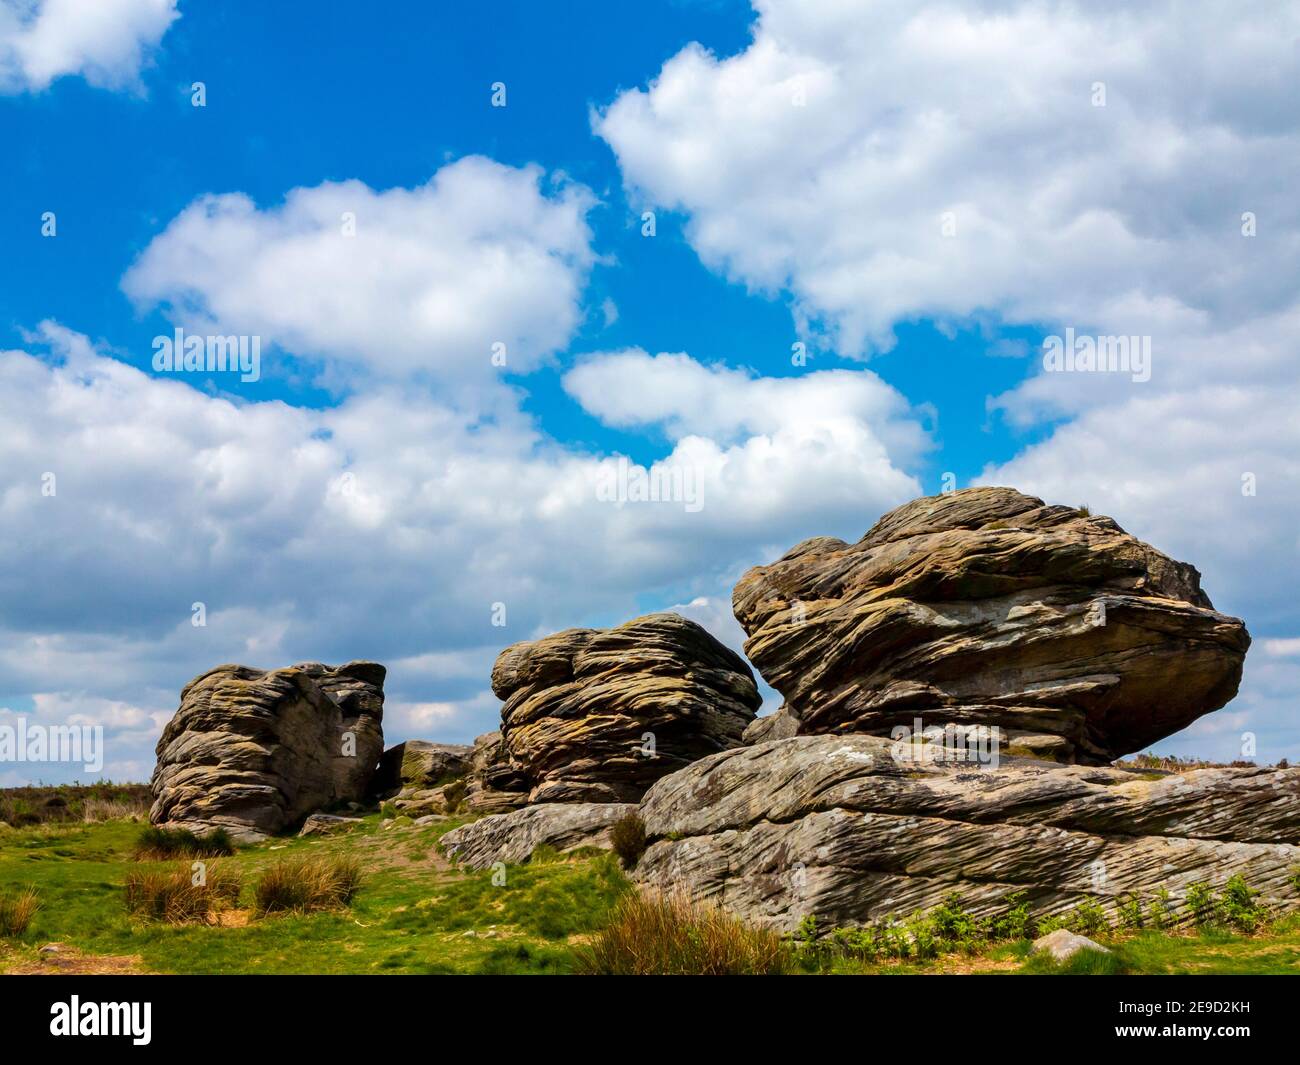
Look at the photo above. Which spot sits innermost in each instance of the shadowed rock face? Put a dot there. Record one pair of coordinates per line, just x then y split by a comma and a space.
987, 607
255, 751
579, 703
844, 828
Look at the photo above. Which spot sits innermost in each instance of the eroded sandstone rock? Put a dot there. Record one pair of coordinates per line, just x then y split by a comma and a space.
512, 837
421, 764
255, 751
597, 715
844, 828
987, 607
494, 784
424, 778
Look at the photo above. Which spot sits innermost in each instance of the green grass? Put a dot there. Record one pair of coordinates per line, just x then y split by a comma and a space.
411, 914
156, 844
415, 914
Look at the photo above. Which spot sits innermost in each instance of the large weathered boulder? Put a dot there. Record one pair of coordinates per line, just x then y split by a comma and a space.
255, 751
597, 715
495, 785
858, 828
512, 837
987, 607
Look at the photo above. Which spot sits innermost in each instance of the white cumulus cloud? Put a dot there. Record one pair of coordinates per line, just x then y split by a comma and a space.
107, 42
403, 281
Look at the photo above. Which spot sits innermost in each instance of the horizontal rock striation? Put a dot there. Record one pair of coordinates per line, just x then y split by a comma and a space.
986, 607
255, 751
597, 715
851, 829
512, 837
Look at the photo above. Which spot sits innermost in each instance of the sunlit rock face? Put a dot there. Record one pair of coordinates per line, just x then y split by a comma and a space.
255, 751
987, 607
598, 715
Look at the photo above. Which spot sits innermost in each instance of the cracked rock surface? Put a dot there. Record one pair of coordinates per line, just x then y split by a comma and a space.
852, 828
987, 607
255, 751
598, 715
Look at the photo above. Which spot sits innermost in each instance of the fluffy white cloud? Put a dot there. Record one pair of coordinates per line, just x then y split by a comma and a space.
883, 162
105, 41
408, 281
827, 157
385, 527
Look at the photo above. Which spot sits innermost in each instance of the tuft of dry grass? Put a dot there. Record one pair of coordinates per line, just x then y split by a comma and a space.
668, 935
328, 882
94, 810
17, 910
186, 893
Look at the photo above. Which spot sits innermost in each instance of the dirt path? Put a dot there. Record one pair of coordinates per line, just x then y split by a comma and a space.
58, 959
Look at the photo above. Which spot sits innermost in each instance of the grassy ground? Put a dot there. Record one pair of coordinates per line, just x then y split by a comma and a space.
416, 914
45, 803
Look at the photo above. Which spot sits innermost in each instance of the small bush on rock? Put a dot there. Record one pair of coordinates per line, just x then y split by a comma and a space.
627, 837
652, 935
324, 883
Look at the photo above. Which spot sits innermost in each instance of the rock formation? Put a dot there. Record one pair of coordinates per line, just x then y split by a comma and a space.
857, 828
255, 751
494, 784
986, 607
512, 837
423, 778
597, 715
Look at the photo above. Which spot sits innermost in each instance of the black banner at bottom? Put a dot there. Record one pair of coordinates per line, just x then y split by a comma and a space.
171, 1013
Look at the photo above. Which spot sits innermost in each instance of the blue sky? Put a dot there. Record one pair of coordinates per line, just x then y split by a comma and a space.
920, 194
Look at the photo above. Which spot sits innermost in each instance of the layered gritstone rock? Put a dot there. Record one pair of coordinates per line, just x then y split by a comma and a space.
854, 829
255, 751
512, 837
598, 715
423, 778
986, 607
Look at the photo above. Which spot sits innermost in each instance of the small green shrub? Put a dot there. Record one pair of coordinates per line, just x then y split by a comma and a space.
627, 837
1161, 912
303, 885
671, 936
17, 910
1240, 907
1132, 914
1202, 904
1014, 922
1089, 918
952, 923
1084, 510
1052, 923
159, 844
